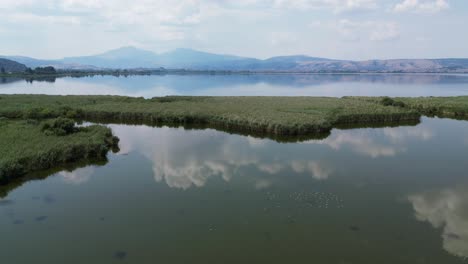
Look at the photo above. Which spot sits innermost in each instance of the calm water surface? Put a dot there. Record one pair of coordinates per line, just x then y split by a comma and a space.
274, 85
373, 195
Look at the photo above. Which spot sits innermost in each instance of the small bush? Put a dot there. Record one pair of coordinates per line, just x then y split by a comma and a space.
387, 101
59, 127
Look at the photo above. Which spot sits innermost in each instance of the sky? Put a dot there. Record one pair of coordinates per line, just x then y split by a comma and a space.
340, 29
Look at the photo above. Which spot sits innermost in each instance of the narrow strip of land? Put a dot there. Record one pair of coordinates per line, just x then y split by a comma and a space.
270, 115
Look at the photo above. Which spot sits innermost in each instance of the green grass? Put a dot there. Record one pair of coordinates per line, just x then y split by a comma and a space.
269, 115
454, 107
35, 145
25, 147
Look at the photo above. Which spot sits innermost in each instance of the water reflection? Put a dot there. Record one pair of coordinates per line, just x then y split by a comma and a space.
376, 143
244, 84
340, 196
446, 209
77, 176
75, 173
183, 159
189, 158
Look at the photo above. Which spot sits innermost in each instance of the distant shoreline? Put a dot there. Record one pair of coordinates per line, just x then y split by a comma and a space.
125, 73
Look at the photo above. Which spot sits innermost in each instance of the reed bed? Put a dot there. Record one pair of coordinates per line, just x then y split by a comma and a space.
25, 147
270, 115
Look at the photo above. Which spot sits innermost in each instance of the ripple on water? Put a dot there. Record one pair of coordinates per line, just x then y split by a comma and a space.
119, 254
18, 222
41, 218
6, 202
308, 199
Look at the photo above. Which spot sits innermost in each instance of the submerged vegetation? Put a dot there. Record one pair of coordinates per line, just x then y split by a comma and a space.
30, 145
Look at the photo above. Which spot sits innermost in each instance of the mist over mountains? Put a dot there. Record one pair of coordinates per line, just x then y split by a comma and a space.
131, 57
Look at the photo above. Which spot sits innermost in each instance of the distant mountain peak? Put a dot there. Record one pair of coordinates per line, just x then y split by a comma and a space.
185, 58
127, 52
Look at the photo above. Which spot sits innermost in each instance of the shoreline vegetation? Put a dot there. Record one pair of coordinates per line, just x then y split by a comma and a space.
32, 145
268, 115
41, 75
38, 132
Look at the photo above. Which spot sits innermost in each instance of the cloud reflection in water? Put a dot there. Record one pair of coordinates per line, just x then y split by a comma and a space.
446, 209
183, 159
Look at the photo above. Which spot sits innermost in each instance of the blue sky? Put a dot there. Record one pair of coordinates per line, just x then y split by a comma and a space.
342, 29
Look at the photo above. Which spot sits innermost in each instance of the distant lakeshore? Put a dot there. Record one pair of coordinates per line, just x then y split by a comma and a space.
149, 72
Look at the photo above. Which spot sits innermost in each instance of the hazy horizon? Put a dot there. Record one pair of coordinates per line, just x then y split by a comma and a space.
337, 29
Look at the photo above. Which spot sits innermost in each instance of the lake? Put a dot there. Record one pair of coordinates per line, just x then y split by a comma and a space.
335, 85
175, 195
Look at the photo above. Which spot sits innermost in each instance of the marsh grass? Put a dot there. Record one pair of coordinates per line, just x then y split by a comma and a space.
24, 147
269, 115
453, 107
37, 131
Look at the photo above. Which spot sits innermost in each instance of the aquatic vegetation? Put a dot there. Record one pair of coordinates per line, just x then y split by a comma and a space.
269, 115
41, 142
24, 147
456, 106
387, 101
59, 127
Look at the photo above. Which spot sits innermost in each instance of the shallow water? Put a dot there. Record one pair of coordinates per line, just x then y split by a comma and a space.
335, 85
373, 195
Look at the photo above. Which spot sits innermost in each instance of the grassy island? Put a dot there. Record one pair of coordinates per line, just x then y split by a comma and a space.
31, 145
30, 141
269, 115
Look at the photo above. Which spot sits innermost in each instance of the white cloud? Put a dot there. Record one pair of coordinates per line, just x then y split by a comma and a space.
360, 142
262, 184
185, 159
77, 176
318, 170
156, 19
366, 141
370, 30
423, 6
384, 31
400, 135
446, 210
271, 168
282, 38
28, 19
337, 6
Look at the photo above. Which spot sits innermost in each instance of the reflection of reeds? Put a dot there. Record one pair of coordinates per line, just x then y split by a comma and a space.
42, 174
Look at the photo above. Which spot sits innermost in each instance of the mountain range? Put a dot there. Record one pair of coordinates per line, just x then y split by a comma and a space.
131, 57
